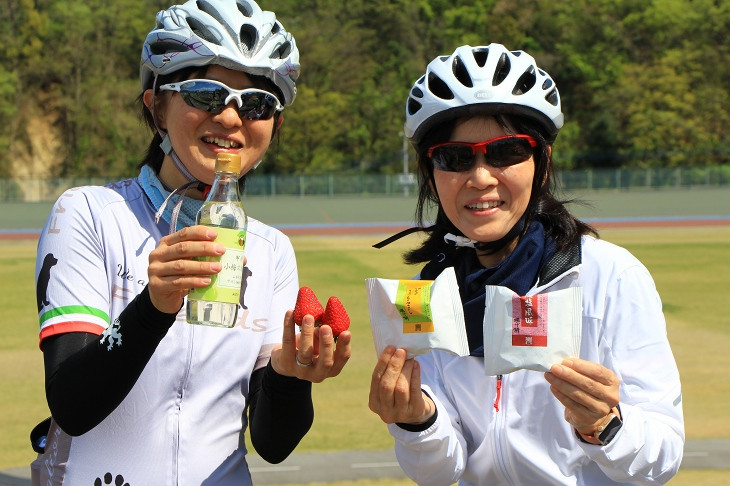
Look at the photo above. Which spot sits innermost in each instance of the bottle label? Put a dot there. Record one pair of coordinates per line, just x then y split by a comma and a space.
226, 285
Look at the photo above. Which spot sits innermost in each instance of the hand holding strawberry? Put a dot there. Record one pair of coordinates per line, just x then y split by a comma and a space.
314, 354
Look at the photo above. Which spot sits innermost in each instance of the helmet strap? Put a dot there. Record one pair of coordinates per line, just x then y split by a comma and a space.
166, 144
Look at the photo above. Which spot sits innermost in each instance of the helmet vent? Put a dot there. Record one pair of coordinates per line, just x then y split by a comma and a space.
202, 31
206, 7
245, 9
526, 82
480, 56
503, 68
439, 88
159, 48
552, 97
282, 52
413, 106
459, 70
248, 36
417, 92
547, 83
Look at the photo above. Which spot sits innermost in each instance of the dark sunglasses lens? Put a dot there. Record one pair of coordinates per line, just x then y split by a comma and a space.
453, 158
257, 106
204, 96
503, 153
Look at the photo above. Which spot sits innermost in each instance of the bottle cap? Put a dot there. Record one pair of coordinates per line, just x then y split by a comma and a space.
228, 163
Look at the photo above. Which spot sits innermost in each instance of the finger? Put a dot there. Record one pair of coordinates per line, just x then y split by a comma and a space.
343, 352
186, 250
180, 269
582, 410
374, 401
395, 366
563, 382
566, 400
600, 384
326, 345
305, 341
402, 396
282, 356
420, 401
594, 371
415, 390
389, 379
322, 352
190, 233
195, 241
382, 364
289, 338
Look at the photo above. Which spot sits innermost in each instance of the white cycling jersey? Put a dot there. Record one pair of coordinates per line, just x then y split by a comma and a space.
527, 441
182, 422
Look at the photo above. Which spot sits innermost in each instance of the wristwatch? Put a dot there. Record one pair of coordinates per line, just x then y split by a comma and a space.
605, 432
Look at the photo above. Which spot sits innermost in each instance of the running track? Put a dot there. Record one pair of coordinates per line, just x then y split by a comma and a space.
338, 229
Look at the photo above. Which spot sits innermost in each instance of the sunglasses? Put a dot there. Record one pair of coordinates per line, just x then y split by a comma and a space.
213, 96
499, 152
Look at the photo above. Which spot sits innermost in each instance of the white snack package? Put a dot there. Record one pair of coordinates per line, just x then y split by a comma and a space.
417, 315
532, 332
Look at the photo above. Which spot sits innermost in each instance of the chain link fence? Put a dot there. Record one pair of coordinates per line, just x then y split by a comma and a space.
48, 190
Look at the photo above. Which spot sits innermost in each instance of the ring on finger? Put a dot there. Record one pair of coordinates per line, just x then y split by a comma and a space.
296, 357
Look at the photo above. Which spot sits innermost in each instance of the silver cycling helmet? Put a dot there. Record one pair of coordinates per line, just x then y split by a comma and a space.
483, 79
235, 34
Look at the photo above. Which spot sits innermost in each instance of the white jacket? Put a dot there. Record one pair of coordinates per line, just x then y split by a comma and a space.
528, 441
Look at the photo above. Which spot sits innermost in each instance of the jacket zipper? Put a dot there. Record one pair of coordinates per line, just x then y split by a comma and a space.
499, 392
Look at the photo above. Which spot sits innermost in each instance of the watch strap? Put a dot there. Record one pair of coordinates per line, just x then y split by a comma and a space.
606, 431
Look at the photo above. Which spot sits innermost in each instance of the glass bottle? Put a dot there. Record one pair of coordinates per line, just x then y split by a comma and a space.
217, 304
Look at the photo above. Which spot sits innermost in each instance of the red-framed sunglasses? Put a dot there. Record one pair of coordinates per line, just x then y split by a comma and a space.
499, 152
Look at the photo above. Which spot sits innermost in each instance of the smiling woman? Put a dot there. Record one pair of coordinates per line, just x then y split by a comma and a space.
483, 121
116, 264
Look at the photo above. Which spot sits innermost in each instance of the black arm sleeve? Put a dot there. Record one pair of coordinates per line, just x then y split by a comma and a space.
280, 413
87, 377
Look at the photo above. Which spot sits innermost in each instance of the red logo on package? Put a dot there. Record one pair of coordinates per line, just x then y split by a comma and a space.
529, 320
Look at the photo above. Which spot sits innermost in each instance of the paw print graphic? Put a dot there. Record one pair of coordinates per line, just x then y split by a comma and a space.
118, 480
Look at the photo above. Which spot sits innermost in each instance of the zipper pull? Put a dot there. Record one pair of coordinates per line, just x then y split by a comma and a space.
499, 392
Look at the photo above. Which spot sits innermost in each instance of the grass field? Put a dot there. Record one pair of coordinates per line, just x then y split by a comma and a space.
690, 267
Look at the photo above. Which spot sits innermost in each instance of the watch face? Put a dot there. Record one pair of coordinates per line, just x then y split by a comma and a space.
610, 431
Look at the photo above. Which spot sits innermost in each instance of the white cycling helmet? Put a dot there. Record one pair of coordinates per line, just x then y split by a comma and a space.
235, 34
483, 79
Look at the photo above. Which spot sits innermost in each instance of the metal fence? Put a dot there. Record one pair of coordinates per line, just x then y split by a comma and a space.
48, 190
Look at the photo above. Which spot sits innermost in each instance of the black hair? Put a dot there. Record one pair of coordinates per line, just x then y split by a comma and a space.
154, 154
543, 206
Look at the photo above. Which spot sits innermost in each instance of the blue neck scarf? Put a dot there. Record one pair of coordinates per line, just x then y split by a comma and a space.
518, 272
157, 193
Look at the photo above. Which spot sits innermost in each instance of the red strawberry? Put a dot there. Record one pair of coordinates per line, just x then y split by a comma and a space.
335, 316
307, 304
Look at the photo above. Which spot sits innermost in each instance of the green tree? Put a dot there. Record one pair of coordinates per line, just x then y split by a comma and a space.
642, 83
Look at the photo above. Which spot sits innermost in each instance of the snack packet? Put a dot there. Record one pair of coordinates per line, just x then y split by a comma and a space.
532, 332
417, 315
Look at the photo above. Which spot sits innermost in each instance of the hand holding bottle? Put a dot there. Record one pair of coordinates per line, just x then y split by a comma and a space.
172, 270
